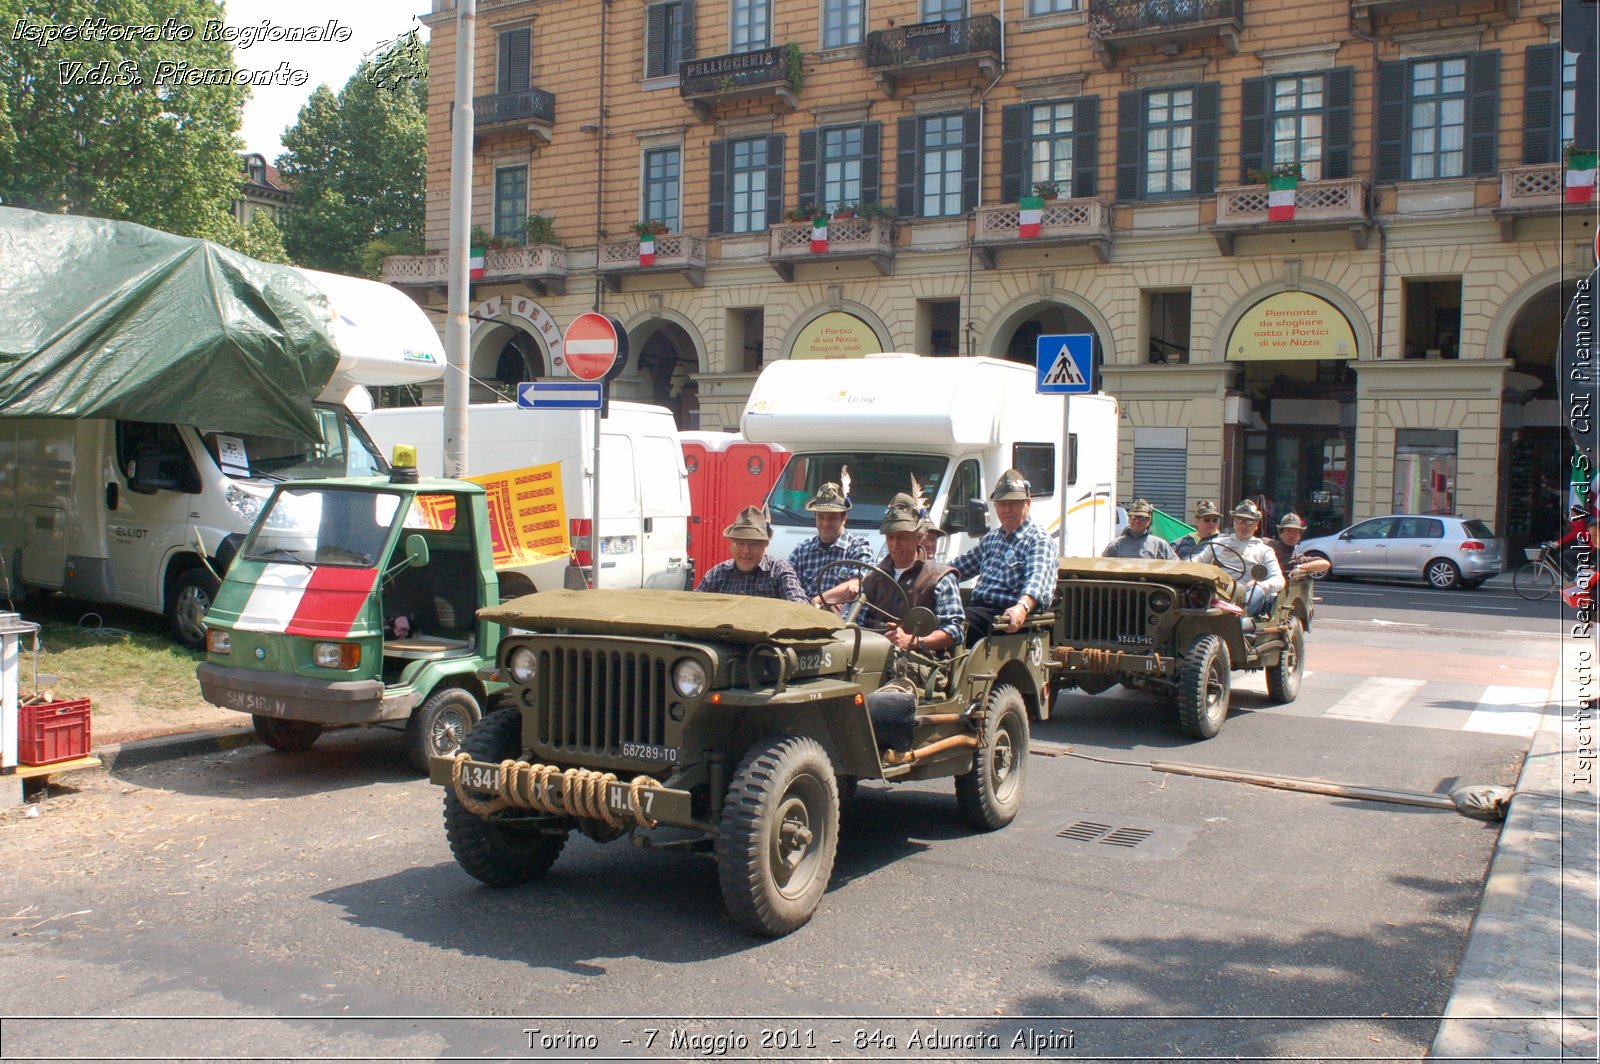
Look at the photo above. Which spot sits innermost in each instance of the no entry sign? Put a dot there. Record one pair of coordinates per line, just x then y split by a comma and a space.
590, 346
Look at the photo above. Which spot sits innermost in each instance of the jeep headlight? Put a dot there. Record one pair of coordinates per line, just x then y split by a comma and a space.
522, 664
1160, 601
689, 678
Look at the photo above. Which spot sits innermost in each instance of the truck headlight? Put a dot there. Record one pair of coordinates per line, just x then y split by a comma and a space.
689, 678
242, 502
522, 665
219, 641
336, 655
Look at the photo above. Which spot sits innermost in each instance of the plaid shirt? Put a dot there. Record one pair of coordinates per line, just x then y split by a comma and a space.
771, 578
810, 557
1011, 564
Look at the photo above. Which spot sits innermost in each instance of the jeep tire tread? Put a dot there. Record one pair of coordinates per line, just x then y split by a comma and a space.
286, 736
990, 796
498, 855
1204, 686
778, 835
438, 726
1283, 679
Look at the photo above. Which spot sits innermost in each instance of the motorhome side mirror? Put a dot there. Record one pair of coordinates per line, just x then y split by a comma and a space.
977, 518
141, 475
919, 621
416, 551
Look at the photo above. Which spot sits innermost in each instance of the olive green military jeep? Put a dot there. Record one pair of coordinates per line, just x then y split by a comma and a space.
1174, 628
740, 719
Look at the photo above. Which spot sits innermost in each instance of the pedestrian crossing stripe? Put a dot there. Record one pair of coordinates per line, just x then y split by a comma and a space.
1064, 371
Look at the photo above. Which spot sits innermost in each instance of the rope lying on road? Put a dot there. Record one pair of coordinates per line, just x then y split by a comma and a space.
528, 786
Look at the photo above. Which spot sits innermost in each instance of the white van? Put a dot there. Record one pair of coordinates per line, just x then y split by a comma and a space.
134, 512
952, 426
644, 513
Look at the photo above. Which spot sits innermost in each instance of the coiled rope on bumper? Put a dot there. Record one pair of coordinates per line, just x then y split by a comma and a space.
528, 786
1096, 659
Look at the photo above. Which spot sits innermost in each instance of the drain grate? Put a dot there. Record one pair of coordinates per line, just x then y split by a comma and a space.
1126, 837
1084, 831
1103, 835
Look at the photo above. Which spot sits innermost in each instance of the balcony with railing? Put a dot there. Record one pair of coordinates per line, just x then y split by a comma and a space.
767, 73
1319, 207
531, 109
934, 46
1083, 222
542, 267
677, 253
1369, 14
1117, 26
1529, 192
849, 240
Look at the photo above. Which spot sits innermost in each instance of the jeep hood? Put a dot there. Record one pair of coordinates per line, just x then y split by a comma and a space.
1153, 569
650, 613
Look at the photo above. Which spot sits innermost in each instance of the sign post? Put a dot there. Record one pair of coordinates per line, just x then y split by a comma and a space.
590, 347
1064, 364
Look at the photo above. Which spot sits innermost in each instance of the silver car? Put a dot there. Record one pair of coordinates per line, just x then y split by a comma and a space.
1447, 552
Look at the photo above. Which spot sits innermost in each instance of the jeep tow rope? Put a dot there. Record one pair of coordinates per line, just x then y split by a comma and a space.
582, 791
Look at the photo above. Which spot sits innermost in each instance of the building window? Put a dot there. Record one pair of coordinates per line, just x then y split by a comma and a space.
669, 38
751, 25
1432, 318
841, 22
1438, 118
1424, 478
944, 10
511, 202
940, 156
1569, 98
747, 185
1169, 143
1297, 111
841, 166
662, 168
516, 57
1050, 145
745, 339
1167, 316
939, 326
1037, 8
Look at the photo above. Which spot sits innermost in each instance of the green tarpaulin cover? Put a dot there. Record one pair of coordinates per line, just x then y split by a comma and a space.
116, 320
652, 613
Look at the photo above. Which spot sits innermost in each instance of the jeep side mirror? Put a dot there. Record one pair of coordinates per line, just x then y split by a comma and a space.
416, 551
919, 621
1258, 572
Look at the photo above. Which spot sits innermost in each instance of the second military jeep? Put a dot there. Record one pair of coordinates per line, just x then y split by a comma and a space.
740, 719
1174, 628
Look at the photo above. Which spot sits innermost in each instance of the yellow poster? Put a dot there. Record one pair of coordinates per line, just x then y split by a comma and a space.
1291, 325
836, 335
527, 515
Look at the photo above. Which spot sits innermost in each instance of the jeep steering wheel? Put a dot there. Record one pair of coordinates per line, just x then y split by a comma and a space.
1244, 576
861, 568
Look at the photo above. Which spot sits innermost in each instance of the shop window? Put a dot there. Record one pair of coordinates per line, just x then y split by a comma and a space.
939, 326
746, 331
1433, 318
1425, 471
1167, 319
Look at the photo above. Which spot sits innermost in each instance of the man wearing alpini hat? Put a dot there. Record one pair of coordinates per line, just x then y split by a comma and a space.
1208, 524
1292, 529
1137, 541
831, 543
1015, 564
750, 571
1241, 551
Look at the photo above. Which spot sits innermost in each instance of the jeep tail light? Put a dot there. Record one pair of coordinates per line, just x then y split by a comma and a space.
1472, 544
579, 529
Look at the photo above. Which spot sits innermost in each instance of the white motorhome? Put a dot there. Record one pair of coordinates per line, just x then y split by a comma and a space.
113, 511
644, 512
951, 425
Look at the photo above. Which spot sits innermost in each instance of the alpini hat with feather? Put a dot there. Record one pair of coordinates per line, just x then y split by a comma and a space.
1011, 485
830, 498
901, 515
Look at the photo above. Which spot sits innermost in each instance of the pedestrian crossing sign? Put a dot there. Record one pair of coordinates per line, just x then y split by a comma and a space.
1065, 364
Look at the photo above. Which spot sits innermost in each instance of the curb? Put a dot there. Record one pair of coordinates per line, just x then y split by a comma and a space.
171, 747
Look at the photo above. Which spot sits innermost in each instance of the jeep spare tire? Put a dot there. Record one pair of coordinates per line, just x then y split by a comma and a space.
1204, 687
779, 834
990, 796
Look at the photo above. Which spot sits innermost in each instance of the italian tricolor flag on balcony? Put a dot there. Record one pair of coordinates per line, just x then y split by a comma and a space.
1280, 198
819, 234
475, 264
1030, 216
1580, 176
647, 250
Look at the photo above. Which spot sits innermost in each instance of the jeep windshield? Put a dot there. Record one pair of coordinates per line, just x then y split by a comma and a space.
324, 526
343, 449
873, 478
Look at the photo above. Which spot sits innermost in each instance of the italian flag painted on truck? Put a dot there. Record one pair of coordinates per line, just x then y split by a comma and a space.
323, 602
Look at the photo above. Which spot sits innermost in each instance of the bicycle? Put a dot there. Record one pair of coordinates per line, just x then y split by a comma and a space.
1541, 577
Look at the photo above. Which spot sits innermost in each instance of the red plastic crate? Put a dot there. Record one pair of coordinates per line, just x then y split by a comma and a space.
48, 732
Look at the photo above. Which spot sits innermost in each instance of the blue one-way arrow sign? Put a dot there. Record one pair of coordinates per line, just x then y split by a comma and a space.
1065, 363
560, 395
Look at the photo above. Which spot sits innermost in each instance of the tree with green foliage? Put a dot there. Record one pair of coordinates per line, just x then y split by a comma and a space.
88, 125
358, 164
261, 239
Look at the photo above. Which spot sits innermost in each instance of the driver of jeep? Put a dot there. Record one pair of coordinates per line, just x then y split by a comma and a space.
924, 583
1240, 552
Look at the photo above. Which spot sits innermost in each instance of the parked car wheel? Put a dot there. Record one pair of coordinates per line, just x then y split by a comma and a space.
487, 850
187, 606
1283, 679
1442, 574
990, 796
1204, 688
437, 727
286, 736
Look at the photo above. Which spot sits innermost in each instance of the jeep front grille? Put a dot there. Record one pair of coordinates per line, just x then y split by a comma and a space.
1099, 613
591, 701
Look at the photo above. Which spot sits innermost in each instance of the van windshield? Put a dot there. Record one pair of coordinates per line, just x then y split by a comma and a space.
344, 450
874, 480
323, 526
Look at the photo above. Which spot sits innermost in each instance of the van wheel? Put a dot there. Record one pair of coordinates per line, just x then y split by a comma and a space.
193, 592
1204, 685
437, 727
487, 850
1283, 679
286, 736
779, 833
990, 796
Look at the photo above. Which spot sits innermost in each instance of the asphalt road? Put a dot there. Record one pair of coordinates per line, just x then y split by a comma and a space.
307, 905
1493, 607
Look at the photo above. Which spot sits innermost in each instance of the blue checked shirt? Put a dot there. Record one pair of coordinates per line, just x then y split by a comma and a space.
1010, 565
771, 578
810, 557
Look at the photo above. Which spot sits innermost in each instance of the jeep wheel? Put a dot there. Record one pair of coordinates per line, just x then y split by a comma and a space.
779, 831
991, 794
1203, 688
286, 736
1283, 679
498, 854
437, 727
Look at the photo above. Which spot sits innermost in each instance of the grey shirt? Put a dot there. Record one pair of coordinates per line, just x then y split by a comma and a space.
1129, 545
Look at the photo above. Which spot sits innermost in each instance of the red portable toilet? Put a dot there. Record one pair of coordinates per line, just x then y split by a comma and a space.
726, 474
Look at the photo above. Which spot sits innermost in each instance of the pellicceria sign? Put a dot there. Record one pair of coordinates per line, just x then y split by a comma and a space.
1291, 325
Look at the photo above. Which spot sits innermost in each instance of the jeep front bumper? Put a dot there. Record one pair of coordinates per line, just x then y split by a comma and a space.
640, 802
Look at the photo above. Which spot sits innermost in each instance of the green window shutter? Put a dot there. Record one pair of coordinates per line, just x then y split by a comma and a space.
655, 35
1254, 126
871, 161
1541, 113
806, 193
515, 60
971, 154
1085, 145
1586, 124
905, 193
1338, 140
685, 32
1013, 144
1483, 113
1130, 152
1392, 121
1207, 111
717, 188
774, 178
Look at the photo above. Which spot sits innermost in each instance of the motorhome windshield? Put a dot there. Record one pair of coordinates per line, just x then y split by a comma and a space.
344, 450
324, 526
874, 479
